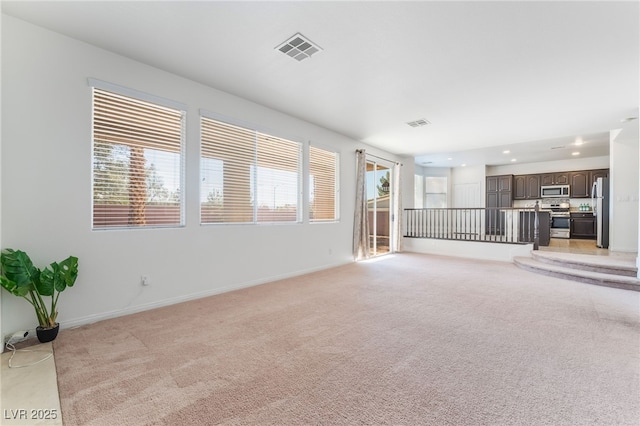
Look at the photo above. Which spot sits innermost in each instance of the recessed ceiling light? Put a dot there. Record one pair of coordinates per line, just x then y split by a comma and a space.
463, 165
299, 47
506, 151
418, 123
575, 153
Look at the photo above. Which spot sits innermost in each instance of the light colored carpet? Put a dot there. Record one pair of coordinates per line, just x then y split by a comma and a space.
408, 339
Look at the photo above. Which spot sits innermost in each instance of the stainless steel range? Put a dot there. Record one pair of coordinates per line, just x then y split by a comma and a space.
559, 216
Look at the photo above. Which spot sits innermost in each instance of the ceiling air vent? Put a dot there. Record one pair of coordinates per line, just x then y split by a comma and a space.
418, 123
298, 47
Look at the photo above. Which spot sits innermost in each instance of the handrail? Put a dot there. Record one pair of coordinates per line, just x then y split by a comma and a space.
491, 224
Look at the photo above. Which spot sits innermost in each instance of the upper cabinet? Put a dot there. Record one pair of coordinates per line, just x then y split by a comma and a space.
499, 191
527, 187
580, 184
559, 178
595, 174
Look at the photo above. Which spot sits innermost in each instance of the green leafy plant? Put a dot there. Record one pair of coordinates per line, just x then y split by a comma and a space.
20, 278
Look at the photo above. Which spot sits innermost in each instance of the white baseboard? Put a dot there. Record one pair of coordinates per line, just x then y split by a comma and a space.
628, 250
90, 319
468, 249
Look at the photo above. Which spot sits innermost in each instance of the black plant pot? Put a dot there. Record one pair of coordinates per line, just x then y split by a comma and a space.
47, 334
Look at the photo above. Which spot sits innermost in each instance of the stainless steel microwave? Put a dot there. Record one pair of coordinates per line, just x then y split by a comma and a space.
554, 191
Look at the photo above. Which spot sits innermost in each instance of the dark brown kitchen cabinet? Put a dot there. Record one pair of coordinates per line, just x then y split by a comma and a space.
583, 225
558, 178
499, 194
519, 188
595, 174
499, 183
580, 184
526, 187
499, 191
533, 186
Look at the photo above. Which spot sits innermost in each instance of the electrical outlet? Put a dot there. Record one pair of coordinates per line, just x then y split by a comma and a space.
144, 280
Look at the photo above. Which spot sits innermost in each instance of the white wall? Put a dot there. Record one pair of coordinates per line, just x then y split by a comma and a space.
434, 171
46, 188
468, 249
590, 163
623, 183
407, 184
638, 181
1, 97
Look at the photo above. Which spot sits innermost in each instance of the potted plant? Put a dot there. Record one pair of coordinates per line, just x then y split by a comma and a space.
20, 278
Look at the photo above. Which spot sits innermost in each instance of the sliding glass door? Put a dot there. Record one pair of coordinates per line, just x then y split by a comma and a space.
379, 196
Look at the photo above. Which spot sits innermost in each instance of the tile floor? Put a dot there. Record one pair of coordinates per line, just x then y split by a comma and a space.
581, 247
27, 393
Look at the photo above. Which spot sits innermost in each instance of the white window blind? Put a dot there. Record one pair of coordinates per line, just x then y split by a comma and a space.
138, 159
247, 176
323, 185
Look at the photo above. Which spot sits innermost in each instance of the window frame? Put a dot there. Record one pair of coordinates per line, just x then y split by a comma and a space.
259, 134
444, 194
152, 101
336, 191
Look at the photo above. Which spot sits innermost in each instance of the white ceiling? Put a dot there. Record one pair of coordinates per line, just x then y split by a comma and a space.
528, 75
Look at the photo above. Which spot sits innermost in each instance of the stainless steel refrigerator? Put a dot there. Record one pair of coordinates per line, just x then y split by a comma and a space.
600, 203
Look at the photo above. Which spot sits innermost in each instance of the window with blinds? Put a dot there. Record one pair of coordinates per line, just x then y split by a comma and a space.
323, 185
247, 176
435, 192
137, 162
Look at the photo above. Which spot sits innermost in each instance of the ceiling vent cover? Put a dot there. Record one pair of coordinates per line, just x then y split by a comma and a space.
299, 47
418, 123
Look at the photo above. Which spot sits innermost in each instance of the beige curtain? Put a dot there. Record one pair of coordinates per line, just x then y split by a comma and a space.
361, 216
397, 208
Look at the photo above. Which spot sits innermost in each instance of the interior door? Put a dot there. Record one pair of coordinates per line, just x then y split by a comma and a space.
379, 199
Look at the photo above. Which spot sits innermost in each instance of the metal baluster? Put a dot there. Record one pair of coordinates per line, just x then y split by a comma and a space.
536, 224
